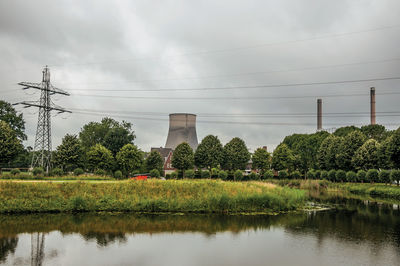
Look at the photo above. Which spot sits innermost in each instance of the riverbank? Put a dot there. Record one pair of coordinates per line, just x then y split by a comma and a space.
366, 189
197, 196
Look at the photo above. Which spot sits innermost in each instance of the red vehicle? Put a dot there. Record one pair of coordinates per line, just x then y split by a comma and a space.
140, 177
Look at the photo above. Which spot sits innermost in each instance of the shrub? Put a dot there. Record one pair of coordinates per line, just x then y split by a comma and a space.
332, 175
189, 173
168, 176
155, 173
118, 174
197, 174
78, 171
318, 174
214, 173
283, 174
351, 176
223, 175
205, 174
295, 175
395, 176
174, 175
238, 175
384, 176
373, 175
340, 176
268, 174
311, 174
57, 172
361, 176
15, 171
98, 172
324, 174
37, 171
253, 176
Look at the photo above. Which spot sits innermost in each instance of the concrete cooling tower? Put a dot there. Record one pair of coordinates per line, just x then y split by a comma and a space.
182, 128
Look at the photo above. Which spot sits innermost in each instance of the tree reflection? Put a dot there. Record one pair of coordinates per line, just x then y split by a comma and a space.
7, 247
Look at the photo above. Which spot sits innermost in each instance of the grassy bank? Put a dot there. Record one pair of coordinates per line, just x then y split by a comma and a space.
203, 196
26, 176
373, 190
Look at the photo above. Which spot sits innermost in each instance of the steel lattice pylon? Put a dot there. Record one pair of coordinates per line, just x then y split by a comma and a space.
42, 149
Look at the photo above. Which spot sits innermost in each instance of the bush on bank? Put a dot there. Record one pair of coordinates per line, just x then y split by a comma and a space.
148, 196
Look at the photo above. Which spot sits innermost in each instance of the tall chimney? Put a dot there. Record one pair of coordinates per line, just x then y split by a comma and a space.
373, 115
319, 114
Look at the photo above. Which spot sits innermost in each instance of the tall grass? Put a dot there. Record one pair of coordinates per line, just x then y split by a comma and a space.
374, 190
27, 176
204, 196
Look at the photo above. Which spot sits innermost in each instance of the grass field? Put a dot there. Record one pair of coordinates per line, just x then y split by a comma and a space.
202, 196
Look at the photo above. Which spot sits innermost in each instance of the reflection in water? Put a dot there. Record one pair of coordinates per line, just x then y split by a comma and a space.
352, 222
7, 246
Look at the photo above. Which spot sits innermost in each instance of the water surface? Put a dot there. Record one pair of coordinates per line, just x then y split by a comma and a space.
355, 232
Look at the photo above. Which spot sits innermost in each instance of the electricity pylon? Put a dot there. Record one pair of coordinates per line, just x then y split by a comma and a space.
42, 150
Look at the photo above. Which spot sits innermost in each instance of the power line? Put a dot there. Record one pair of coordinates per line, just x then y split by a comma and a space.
232, 98
214, 51
278, 85
225, 122
231, 75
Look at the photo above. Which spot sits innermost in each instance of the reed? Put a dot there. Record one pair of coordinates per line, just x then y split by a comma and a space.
203, 196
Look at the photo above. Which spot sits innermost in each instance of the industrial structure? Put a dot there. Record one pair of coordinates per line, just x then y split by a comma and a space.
319, 114
373, 114
182, 128
42, 155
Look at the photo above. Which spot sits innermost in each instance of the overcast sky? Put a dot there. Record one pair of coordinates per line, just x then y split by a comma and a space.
95, 47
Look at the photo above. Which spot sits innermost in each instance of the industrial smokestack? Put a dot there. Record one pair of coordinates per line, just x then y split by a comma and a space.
182, 128
319, 114
373, 115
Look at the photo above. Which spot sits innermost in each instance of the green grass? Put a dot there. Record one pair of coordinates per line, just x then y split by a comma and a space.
374, 190
26, 176
202, 196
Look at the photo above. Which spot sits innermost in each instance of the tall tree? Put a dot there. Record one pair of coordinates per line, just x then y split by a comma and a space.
344, 131
183, 158
331, 153
209, 153
283, 158
322, 155
261, 160
377, 132
154, 161
69, 155
366, 157
99, 157
385, 154
14, 120
110, 133
10, 145
129, 158
395, 148
348, 148
236, 155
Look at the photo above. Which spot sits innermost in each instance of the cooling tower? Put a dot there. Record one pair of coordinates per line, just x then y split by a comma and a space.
182, 128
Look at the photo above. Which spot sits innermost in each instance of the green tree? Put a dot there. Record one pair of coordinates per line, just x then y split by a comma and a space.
332, 151
377, 132
236, 155
385, 154
10, 145
154, 161
99, 157
323, 152
129, 158
348, 148
395, 148
366, 157
183, 158
261, 160
14, 120
344, 131
110, 133
209, 153
69, 155
282, 158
